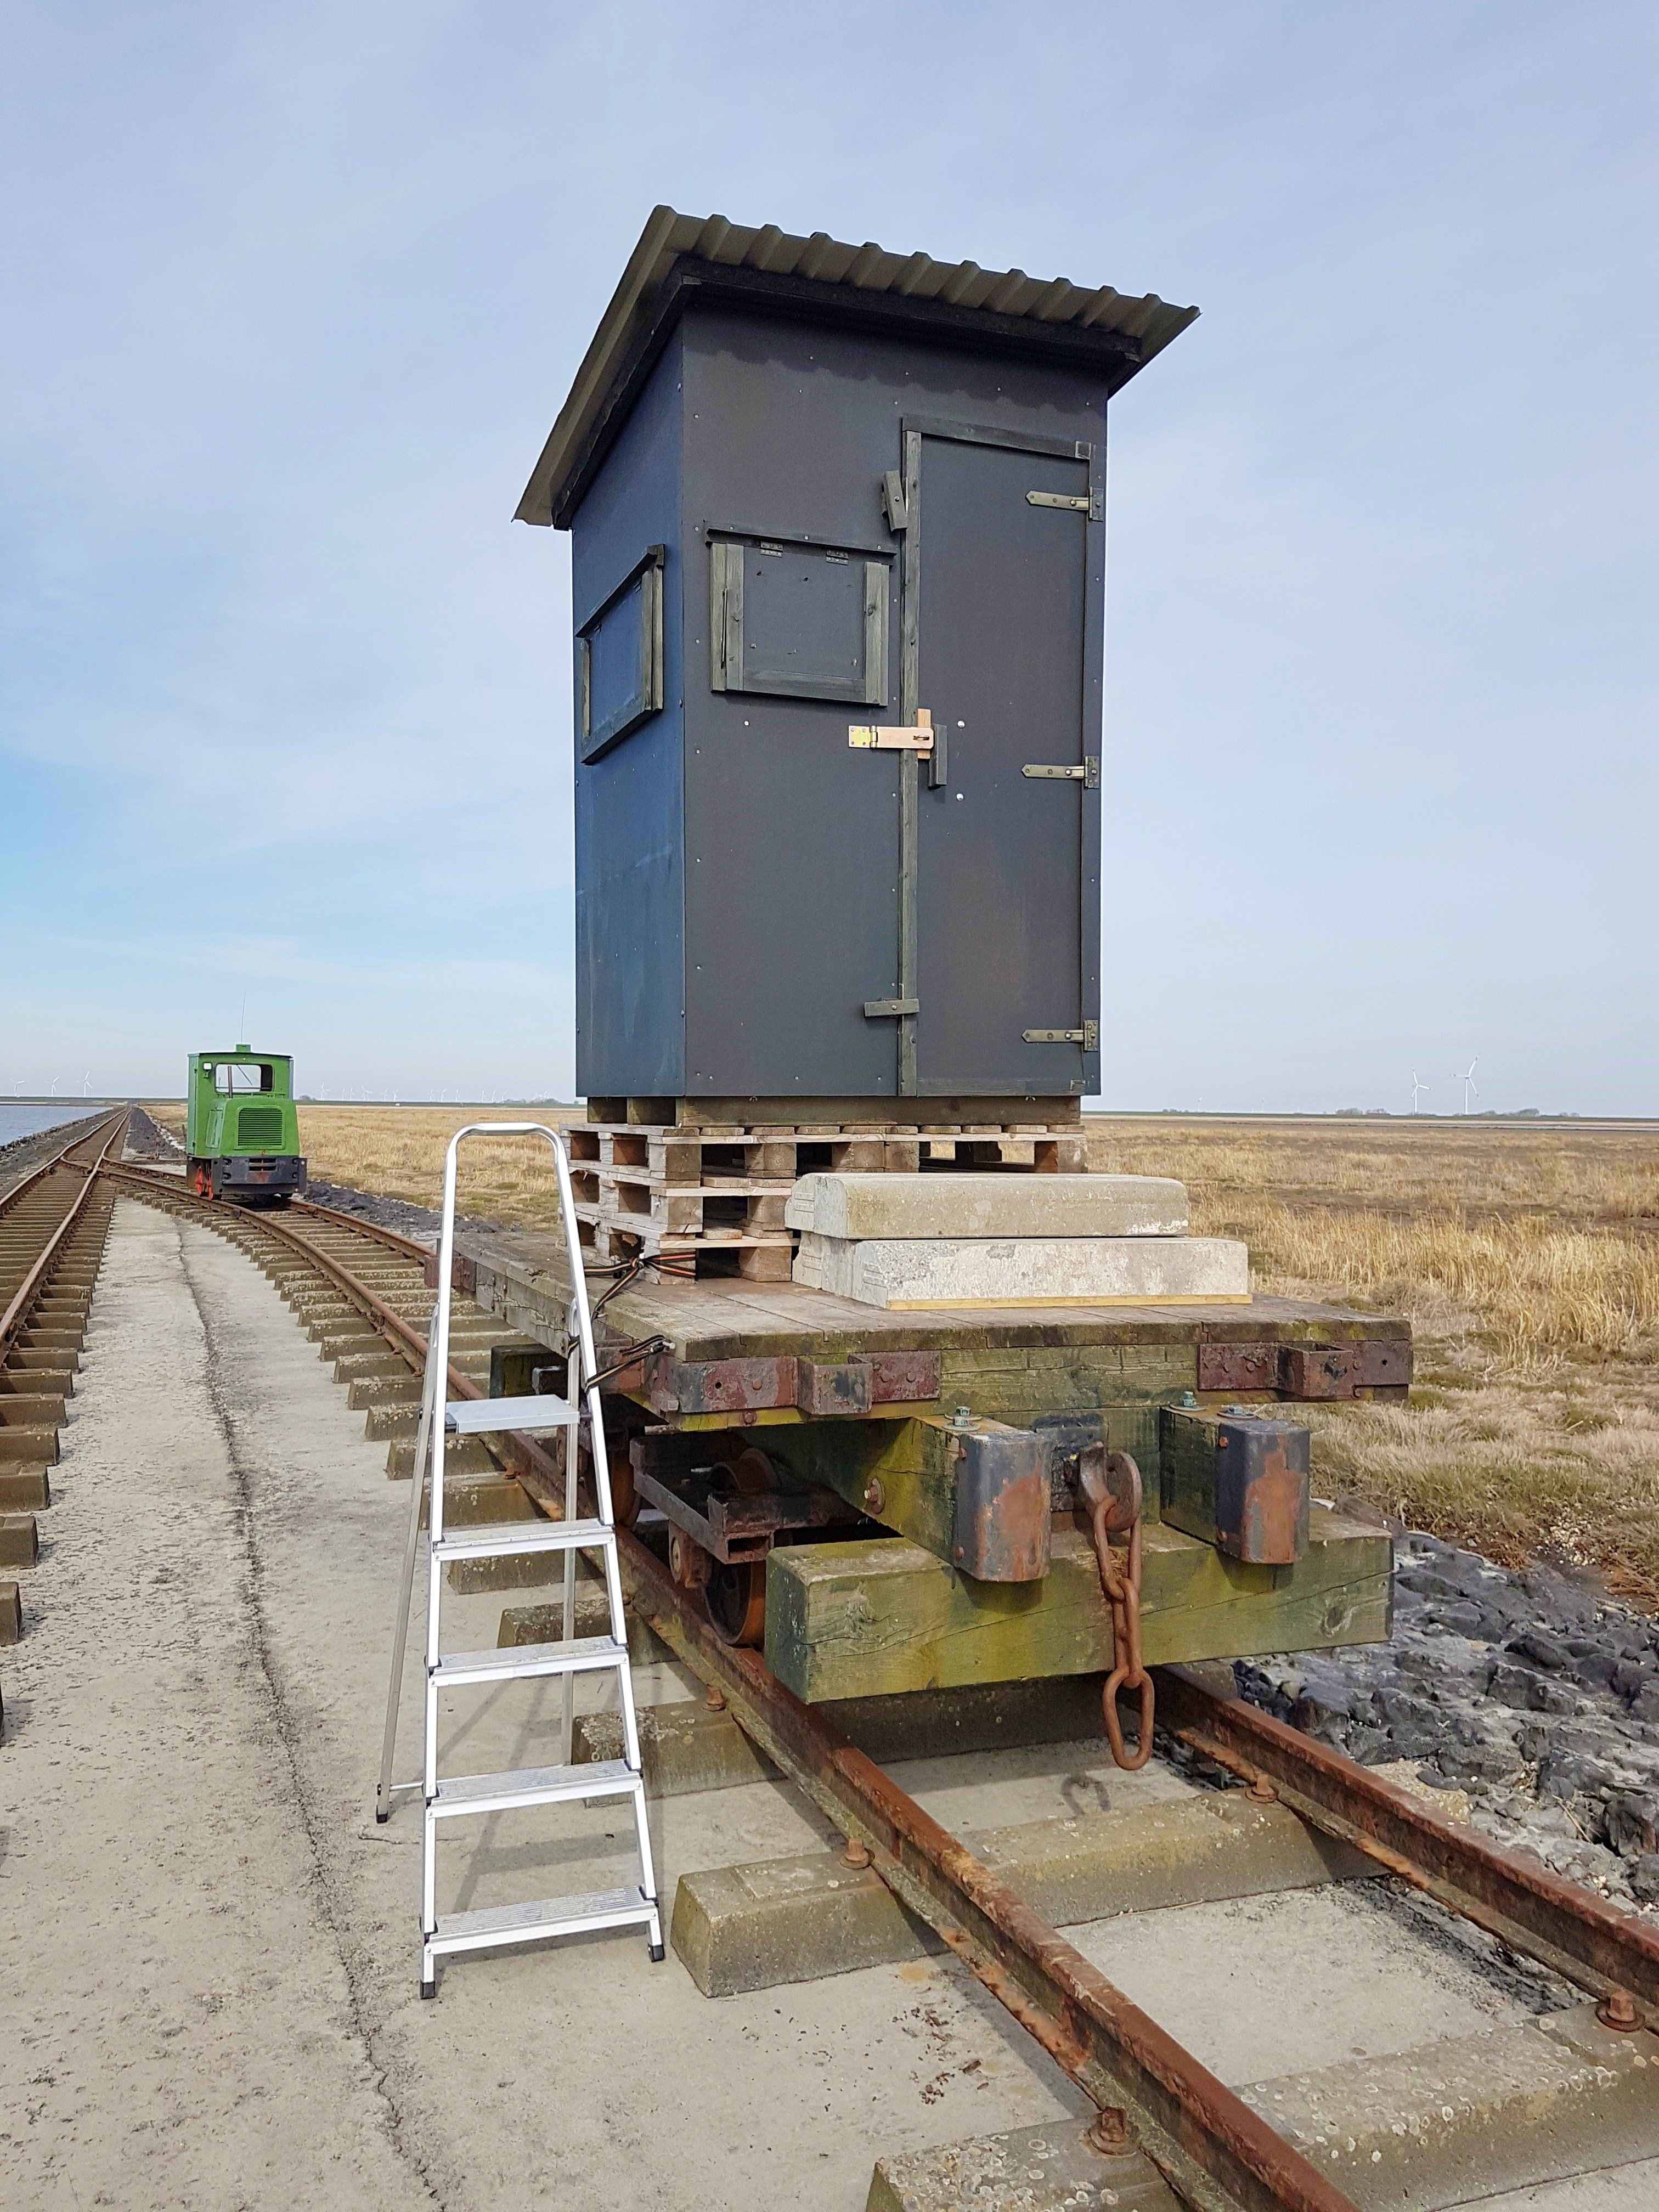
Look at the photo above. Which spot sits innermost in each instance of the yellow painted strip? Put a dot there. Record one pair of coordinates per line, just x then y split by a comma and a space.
1009, 1305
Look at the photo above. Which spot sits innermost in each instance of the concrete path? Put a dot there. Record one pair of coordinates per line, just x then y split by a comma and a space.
208, 1964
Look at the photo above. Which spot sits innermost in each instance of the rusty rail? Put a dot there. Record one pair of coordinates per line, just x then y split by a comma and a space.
1217, 2153
1574, 1933
535, 1469
30, 1287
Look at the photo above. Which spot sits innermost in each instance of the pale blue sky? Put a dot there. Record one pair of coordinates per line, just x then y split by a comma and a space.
289, 299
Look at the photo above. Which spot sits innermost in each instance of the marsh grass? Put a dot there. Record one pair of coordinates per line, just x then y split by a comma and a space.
1528, 1263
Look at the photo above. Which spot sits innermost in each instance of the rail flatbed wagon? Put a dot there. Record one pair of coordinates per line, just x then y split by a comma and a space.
834, 1463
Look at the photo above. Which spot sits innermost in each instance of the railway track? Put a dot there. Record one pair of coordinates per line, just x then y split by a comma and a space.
53, 1221
1167, 2131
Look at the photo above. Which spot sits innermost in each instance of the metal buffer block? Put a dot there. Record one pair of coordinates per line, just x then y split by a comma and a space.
448, 1797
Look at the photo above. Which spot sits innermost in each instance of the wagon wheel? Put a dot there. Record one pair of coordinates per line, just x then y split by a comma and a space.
203, 1183
625, 1500
735, 1598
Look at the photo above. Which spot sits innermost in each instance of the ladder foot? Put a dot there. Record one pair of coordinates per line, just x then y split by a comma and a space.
429, 1989
656, 1955
380, 1819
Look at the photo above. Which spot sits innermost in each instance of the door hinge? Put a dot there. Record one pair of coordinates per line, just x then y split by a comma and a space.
1087, 503
1087, 771
1088, 1036
894, 505
876, 1010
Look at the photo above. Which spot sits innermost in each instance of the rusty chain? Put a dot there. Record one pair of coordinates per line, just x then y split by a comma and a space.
1110, 1483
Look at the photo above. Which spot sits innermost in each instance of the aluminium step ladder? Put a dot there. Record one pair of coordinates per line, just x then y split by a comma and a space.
456, 1797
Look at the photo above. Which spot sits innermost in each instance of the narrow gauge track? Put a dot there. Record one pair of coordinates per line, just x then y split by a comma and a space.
53, 1221
1153, 2096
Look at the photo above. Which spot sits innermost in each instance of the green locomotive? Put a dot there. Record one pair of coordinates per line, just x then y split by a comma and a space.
241, 1132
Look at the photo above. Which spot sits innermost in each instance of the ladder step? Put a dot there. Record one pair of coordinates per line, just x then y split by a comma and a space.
472, 1417
535, 1785
514, 1662
500, 1539
548, 1916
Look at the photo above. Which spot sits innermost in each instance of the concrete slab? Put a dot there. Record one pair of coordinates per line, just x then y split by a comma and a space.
933, 1206
911, 1275
789, 1920
1048, 2169
1440, 2125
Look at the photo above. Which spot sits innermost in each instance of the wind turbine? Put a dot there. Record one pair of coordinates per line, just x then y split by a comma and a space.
1466, 1080
1418, 1088
86, 1084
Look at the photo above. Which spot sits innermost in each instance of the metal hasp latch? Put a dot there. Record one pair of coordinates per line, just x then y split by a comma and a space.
1110, 1483
894, 737
1082, 503
1087, 772
1088, 1036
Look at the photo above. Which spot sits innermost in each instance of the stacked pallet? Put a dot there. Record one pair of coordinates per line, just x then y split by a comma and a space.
708, 1199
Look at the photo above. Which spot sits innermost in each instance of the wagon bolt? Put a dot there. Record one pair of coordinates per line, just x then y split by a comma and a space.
874, 1496
715, 1699
1261, 1791
1618, 2010
857, 1853
964, 1416
1111, 2134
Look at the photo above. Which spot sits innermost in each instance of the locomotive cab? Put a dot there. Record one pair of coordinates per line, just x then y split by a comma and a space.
242, 1133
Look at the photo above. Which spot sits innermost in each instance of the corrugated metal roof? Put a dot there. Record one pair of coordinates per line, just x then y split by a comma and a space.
669, 238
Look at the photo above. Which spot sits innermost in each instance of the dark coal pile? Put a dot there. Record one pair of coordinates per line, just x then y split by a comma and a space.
1534, 1692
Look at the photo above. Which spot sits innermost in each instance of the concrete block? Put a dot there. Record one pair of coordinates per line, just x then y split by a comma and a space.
24, 1489
796, 1919
19, 1539
684, 1747
905, 1274
1045, 2169
933, 1205
12, 1613
1474, 2116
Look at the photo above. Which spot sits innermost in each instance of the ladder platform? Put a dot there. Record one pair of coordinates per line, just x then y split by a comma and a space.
513, 1663
546, 1916
535, 1785
474, 1417
503, 1539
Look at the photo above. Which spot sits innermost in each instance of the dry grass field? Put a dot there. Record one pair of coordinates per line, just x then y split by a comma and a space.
1528, 1261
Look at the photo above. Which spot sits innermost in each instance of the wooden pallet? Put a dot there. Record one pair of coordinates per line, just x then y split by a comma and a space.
710, 1200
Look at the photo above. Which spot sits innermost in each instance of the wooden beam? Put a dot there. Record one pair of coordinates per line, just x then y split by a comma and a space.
866, 1619
975, 1495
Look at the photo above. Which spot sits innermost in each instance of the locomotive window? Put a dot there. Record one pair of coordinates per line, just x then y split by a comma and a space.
619, 659
238, 1075
802, 621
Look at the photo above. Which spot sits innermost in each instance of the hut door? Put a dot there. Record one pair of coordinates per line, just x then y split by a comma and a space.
1005, 831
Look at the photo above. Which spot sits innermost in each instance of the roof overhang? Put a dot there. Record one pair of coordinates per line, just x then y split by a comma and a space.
681, 258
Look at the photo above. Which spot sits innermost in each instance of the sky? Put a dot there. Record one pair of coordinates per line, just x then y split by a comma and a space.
289, 298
